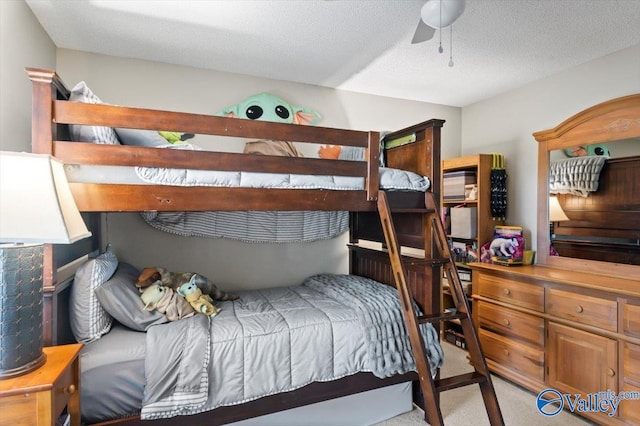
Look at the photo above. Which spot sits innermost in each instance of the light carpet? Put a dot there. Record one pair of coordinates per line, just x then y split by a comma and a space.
464, 406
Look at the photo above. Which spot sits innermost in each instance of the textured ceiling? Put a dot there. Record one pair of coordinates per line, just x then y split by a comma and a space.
357, 45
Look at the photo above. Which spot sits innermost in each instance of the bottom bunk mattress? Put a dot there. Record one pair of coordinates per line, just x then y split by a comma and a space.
266, 342
113, 380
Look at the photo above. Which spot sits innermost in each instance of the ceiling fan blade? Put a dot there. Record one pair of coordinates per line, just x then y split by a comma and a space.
423, 33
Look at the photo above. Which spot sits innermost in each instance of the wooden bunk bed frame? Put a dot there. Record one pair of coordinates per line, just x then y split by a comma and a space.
52, 113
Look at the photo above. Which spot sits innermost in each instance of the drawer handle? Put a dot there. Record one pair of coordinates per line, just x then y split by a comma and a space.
70, 389
579, 309
611, 373
506, 352
507, 291
506, 322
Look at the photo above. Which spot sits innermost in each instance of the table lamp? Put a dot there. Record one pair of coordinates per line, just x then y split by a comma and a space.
36, 207
556, 214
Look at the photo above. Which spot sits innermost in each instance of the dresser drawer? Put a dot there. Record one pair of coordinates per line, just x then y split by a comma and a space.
63, 388
631, 363
516, 356
629, 407
583, 309
511, 323
630, 381
19, 410
631, 319
517, 293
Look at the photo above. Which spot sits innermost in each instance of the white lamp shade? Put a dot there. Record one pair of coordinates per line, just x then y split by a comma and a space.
441, 13
36, 204
556, 214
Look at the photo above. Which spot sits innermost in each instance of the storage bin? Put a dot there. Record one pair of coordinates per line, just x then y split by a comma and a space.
454, 183
464, 222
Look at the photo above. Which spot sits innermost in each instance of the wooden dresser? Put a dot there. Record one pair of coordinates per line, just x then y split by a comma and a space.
577, 333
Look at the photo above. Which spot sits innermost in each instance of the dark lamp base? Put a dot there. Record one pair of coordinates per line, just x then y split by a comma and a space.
20, 309
24, 369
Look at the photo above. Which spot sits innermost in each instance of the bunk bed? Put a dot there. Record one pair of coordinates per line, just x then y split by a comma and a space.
53, 114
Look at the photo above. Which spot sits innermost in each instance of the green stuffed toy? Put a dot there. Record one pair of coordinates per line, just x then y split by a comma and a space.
175, 137
268, 107
598, 149
166, 301
199, 301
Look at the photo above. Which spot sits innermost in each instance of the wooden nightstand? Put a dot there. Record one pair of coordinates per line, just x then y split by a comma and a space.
39, 397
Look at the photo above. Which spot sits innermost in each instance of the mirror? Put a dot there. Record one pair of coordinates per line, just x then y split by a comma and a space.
596, 221
600, 232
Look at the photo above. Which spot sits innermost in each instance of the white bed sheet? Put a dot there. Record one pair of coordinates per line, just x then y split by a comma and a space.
390, 179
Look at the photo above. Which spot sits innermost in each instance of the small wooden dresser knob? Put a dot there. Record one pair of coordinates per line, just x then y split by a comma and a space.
507, 291
579, 309
610, 372
506, 322
70, 389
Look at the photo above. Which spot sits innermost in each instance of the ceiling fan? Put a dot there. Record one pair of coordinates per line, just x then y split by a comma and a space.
436, 14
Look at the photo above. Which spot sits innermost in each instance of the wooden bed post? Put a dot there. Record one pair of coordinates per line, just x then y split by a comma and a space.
373, 168
47, 87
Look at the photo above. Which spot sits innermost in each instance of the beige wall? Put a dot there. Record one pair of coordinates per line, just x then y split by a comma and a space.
234, 264
506, 122
23, 43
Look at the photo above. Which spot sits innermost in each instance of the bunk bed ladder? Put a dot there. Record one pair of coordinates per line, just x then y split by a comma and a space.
430, 387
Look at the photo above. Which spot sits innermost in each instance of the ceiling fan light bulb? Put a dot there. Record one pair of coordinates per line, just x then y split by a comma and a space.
433, 16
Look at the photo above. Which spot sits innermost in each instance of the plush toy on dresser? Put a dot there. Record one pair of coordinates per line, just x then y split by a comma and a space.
200, 302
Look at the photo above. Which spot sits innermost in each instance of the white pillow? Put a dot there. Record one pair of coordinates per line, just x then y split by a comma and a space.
94, 134
89, 321
137, 137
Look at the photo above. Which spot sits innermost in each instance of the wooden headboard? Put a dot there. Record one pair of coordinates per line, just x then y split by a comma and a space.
60, 264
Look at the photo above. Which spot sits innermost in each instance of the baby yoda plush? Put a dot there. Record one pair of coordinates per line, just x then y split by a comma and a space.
199, 302
598, 149
166, 301
268, 107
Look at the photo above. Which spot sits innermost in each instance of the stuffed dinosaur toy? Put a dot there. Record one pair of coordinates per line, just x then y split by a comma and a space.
176, 137
166, 301
199, 302
268, 107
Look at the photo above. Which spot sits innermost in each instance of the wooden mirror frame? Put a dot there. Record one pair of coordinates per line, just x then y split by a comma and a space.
612, 120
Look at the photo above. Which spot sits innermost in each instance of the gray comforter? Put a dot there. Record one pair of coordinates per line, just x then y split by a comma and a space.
278, 340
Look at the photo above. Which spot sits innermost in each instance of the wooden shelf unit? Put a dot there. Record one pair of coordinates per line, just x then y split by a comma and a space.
481, 165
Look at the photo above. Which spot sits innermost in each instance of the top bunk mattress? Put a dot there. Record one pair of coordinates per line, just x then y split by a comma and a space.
390, 179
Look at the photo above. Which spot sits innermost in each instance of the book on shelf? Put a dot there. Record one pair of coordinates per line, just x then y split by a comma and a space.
402, 140
455, 338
